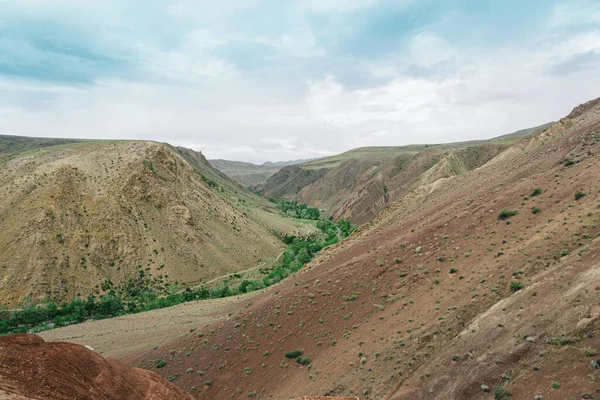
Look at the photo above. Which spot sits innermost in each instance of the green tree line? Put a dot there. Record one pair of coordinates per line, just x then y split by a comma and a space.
138, 295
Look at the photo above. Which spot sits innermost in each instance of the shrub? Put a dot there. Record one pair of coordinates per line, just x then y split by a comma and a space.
160, 363
579, 195
535, 210
536, 192
563, 341
500, 393
303, 360
293, 354
515, 286
506, 214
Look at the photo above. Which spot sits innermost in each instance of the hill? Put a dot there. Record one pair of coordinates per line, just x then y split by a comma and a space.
356, 185
479, 282
246, 174
14, 144
89, 217
64, 371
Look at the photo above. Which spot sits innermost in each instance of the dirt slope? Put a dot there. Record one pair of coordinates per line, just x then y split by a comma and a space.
436, 297
76, 216
33, 369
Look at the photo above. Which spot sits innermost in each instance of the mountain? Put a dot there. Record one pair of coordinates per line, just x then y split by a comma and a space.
358, 184
246, 174
484, 281
84, 218
285, 163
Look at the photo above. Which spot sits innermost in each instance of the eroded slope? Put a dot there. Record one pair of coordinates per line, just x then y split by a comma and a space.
437, 296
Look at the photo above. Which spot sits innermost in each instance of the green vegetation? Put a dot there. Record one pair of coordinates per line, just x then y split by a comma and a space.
209, 182
303, 360
515, 286
506, 214
500, 393
563, 341
536, 192
579, 195
297, 210
143, 293
293, 354
535, 210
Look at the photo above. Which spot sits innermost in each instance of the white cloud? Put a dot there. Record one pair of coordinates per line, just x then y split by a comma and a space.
177, 88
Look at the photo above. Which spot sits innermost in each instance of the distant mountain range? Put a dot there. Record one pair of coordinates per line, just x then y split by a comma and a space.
285, 163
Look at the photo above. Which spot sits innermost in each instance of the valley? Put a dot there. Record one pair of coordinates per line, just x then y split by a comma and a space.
475, 278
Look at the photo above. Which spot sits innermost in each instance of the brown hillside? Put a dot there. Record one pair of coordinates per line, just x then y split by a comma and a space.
418, 304
359, 183
33, 369
358, 190
76, 216
289, 180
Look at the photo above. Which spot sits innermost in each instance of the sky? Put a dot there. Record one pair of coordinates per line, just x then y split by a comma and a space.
258, 80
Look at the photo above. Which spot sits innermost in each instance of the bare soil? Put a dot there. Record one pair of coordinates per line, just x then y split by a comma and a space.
33, 369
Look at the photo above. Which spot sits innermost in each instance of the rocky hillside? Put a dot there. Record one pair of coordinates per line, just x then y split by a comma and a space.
358, 184
82, 218
473, 286
289, 180
33, 369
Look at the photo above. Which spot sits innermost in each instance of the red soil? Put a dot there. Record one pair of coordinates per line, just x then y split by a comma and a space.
33, 369
417, 304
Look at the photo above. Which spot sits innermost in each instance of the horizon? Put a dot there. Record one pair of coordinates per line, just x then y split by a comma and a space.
265, 81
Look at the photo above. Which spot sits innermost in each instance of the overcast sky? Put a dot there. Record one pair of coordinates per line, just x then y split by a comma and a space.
257, 80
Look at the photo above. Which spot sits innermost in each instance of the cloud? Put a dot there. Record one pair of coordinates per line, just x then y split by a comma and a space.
576, 62
268, 80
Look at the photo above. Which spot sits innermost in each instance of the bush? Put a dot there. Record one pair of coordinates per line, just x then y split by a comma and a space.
303, 360
579, 195
535, 210
500, 393
293, 354
536, 192
506, 214
515, 286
